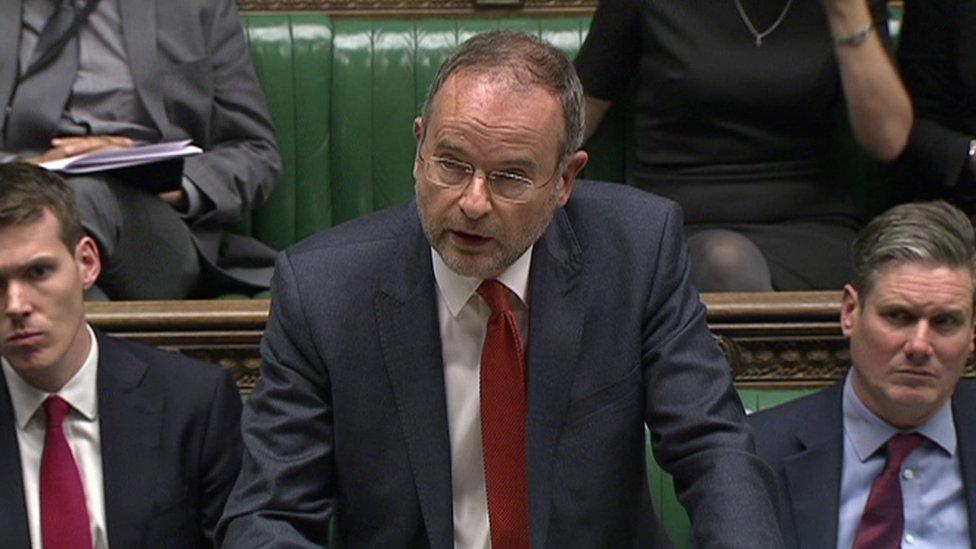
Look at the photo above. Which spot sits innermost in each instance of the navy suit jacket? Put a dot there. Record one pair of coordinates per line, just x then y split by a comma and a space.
803, 442
170, 449
350, 421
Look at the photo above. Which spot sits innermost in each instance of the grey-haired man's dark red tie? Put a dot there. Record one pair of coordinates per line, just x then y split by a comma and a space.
503, 413
64, 514
883, 521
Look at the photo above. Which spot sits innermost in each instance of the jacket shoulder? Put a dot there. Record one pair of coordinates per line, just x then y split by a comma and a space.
775, 429
180, 373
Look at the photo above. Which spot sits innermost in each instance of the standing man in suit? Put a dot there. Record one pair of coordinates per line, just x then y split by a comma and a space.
887, 457
79, 76
477, 367
102, 442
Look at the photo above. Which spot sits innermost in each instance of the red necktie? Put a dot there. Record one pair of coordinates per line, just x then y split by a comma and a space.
503, 413
64, 515
884, 521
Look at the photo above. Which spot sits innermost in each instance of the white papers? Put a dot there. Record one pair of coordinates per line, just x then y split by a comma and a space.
122, 158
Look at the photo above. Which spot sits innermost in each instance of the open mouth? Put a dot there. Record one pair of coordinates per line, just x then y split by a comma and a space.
469, 239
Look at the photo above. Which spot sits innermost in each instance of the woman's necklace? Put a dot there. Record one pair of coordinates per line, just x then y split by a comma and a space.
760, 35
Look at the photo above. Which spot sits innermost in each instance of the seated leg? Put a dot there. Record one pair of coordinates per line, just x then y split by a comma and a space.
147, 250
726, 261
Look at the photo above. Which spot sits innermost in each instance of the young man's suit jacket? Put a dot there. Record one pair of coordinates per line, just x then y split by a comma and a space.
192, 70
170, 449
803, 442
350, 418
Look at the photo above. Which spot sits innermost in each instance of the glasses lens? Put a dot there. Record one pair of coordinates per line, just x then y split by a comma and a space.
509, 186
447, 172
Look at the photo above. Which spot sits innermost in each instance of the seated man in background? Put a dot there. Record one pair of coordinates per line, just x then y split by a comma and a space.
476, 368
888, 455
85, 76
102, 442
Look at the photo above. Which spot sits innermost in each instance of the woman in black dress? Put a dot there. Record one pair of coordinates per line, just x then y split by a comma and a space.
735, 108
937, 55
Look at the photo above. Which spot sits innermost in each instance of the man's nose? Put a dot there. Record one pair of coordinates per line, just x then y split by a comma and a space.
16, 300
475, 200
919, 344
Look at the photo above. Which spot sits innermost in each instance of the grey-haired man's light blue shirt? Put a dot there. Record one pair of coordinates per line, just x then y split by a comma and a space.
931, 478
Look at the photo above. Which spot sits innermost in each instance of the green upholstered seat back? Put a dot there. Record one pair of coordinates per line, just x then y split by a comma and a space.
343, 94
292, 55
381, 72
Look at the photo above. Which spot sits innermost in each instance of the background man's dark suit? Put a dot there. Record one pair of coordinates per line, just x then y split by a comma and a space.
170, 448
192, 70
803, 441
350, 416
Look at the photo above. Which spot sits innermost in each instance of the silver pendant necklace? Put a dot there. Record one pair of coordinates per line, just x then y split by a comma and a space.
752, 29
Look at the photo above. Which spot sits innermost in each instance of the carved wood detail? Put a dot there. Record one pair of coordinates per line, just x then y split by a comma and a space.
412, 8
774, 340
408, 7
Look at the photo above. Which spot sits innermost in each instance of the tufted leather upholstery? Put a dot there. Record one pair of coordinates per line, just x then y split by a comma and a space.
343, 94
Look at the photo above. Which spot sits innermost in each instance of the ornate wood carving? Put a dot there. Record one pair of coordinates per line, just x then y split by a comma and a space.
780, 340
414, 7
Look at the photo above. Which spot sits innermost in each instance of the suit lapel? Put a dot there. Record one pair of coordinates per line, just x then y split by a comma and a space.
10, 21
813, 475
406, 315
139, 34
13, 518
556, 304
962, 403
130, 415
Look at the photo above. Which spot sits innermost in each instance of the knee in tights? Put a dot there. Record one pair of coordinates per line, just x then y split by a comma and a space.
726, 261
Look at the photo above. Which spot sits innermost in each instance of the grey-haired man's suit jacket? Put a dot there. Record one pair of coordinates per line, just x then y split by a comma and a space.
350, 419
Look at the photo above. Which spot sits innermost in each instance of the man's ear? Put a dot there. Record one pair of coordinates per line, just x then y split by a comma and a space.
577, 161
418, 129
849, 309
972, 339
88, 261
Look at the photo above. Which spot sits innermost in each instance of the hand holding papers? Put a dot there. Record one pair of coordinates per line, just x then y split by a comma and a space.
157, 167
122, 158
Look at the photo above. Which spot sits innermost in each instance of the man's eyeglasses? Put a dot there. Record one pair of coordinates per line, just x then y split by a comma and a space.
454, 174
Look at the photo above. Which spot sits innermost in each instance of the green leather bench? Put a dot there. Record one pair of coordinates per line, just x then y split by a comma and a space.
343, 94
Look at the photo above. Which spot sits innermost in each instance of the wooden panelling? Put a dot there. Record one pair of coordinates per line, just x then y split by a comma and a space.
774, 340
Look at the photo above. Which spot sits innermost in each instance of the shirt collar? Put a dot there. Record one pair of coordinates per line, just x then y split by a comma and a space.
867, 432
80, 391
457, 290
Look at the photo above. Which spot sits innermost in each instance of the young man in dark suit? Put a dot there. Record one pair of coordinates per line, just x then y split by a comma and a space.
102, 442
477, 367
887, 457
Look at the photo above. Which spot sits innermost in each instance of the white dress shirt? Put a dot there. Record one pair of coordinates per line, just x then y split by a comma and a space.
463, 317
81, 428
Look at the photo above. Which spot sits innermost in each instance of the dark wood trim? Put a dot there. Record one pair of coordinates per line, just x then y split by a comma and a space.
425, 8
773, 340
428, 8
